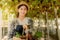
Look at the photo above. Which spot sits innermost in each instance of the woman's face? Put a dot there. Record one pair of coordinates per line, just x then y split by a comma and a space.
22, 11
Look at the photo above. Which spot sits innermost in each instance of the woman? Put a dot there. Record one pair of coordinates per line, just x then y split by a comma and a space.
21, 22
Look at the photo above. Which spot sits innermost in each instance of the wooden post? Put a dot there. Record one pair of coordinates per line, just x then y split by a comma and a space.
56, 21
47, 25
0, 24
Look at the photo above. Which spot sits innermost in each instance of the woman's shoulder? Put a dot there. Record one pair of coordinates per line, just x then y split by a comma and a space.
13, 20
29, 19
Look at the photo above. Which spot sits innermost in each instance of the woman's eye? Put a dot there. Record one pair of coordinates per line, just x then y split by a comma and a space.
21, 9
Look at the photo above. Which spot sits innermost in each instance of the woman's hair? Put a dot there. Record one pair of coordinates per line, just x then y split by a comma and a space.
20, 6
23, 5
17, 15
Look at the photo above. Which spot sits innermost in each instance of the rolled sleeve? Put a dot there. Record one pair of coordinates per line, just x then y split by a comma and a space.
10, 30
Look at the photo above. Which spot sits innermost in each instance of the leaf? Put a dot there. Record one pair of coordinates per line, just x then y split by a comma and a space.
18, 34
38, 34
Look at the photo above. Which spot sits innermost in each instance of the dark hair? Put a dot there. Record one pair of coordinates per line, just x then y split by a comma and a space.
23, 5
17, 15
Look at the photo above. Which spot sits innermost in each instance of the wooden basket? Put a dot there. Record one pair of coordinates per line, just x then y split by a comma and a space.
16, 38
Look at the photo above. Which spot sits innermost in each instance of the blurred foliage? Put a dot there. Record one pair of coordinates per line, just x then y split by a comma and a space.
18, 34
37, 7
38, 34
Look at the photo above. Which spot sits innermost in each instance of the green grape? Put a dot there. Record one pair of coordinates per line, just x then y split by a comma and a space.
17, 34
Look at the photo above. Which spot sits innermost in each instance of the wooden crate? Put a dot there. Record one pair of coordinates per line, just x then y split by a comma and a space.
15, 38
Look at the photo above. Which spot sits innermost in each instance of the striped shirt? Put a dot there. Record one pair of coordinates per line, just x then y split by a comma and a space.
17, 21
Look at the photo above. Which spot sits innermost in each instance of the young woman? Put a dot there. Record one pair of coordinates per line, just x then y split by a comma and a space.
22, 24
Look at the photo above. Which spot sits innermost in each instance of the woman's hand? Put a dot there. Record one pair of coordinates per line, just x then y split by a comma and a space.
25, 27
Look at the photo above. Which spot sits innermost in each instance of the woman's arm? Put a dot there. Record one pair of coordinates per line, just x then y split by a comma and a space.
10, 30
30, 22
28, 28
